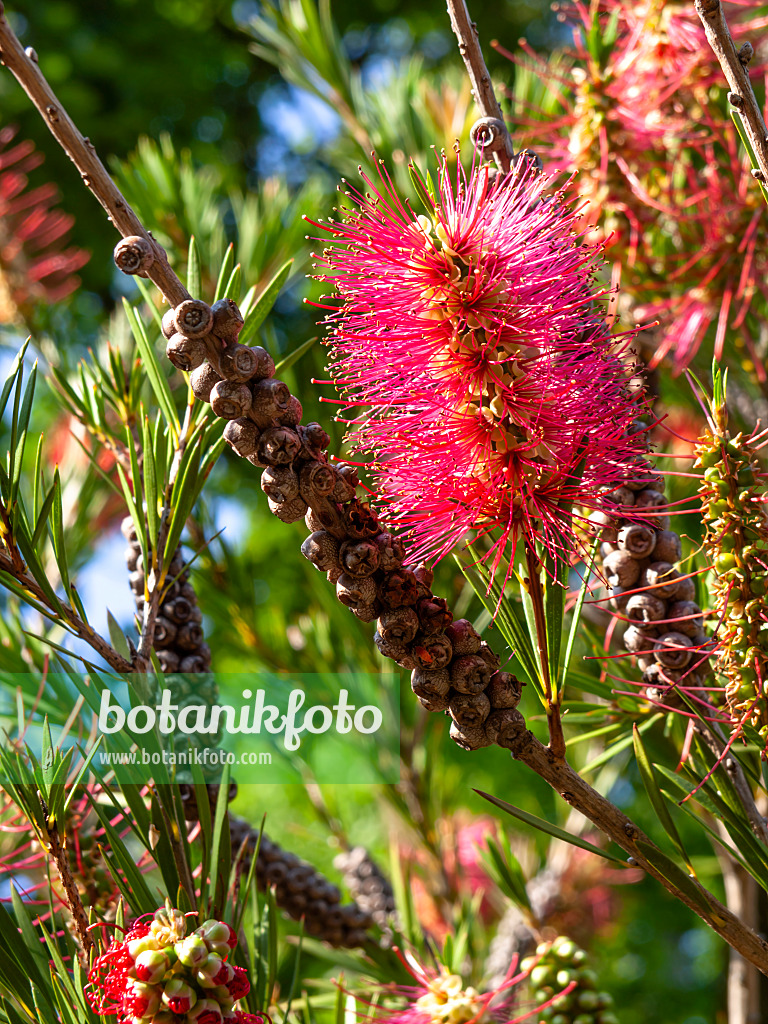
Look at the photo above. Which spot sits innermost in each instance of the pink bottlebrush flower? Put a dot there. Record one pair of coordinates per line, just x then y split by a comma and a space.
472, 342
34, 264
441, 997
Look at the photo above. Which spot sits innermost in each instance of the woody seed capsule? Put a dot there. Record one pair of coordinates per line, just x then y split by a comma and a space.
432, 652
434, 614
242, 435
239, 363
288, 511
645, 608
464, 637
203, 380
280, 483
292, 415
359, 557
355, 590
397, 650
430, 683
391, 551
638, 541
504, 727
673, 650
367, 612
400, 624
227, 320
186, 353
469, 738
470, 673
278, 446
270, 400
193, 318
322, 550
504, 690
621, 569
134, 255
469, 709
318, 480
230, 400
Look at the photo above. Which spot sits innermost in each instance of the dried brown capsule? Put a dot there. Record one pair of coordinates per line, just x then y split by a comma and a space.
280, 483
132, 558
464, 637
639, 640
355, 590
278, 446
662, 578
649, 499
242, 435
240, 363
270, 400
396, 650
203, 380
189, 636
318, 480
168, 323
621, 569
504, 690
434, 613
685, 590
622, 497
289, 511
469, 710
400, 624
169, 661
490, 657
332, 575
391, 551
430, 682
434, 704
367, 612
424, 574
178, 610
689, 618
668, 547
619, 597
136, 582
470, 673
128, 530
638, 541
672, 650
322, 550
359, 557
230, 400
292, 415
470, 738
323, 515
193, 318
505, 727
134, 255
314, 437
645, 608
399, 588
165, 632
186, 353
343, 490
195, 663
360, 520
432, 652
227, 320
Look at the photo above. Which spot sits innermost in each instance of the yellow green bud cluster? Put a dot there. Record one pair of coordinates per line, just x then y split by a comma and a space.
736, 543
557, 965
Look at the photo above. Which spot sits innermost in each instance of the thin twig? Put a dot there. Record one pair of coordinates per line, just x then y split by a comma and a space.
465, 31
618, 827
734, 64
59, 856
80, 150
68, 614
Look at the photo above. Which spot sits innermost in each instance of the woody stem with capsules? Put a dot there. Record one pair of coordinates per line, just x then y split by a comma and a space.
465, 31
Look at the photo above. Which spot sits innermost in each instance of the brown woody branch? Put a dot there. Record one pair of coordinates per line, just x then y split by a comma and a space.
80, 150
734, 65
618, 827
68, 614
465, 31
540, 759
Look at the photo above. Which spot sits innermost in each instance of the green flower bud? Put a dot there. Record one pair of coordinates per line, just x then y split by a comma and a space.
192, 951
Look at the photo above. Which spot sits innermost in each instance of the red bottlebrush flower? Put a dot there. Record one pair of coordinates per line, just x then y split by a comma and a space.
34, 265
239, 986
440, 997
471, 339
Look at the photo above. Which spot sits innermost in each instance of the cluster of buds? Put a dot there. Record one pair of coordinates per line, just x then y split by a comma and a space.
159, 973
639, 556
563, 965
453, 670
368, 885
301, 891
736, 542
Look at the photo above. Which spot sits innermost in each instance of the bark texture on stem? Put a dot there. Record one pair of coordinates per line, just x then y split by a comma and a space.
734, 65
81, 152
742, 897
465, 31
618, 827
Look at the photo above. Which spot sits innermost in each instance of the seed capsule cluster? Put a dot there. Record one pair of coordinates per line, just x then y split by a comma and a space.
369, 886
557, 965
736, 542
639, 554
452, 669
301, 891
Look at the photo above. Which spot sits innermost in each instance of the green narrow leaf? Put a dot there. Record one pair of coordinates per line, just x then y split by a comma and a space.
576, 619
264, 303
224, 274
10, 380
551, 830
194, 284
157, 379
233, 286
57, 527
293, 357
42, 517
655, 796
150, 483
117, 636
674, 874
